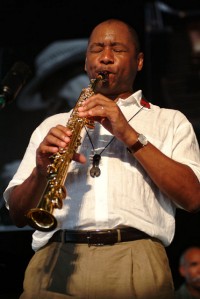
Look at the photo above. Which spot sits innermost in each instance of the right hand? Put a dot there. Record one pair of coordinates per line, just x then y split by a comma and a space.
57, 137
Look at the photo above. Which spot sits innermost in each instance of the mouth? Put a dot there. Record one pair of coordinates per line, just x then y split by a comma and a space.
104, 76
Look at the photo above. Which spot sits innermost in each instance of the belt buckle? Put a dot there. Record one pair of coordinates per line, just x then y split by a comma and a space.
89, 240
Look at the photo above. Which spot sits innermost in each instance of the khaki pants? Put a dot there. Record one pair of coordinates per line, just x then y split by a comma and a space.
137, 269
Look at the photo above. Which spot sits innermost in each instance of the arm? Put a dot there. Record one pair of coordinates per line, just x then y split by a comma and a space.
27, 195
175, 179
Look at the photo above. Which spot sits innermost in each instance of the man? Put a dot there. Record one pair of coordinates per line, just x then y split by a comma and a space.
119, 209
189, 268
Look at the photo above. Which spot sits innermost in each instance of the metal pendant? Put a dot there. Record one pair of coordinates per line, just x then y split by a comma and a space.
95, 170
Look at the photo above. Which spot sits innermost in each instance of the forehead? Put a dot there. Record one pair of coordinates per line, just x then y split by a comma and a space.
111, 32
193, 254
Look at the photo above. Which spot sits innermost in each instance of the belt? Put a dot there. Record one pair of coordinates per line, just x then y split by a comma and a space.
99, 237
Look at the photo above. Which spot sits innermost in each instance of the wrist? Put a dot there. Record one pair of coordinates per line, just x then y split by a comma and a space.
140, 142
39, 175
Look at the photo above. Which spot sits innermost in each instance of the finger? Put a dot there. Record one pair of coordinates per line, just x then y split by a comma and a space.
98, 110
93, 101
54, 141
79, 158
61, 132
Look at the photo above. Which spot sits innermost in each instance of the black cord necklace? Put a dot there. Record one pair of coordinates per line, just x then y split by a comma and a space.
95, 170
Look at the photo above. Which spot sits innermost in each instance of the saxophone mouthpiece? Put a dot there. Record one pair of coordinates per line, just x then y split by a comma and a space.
103, 76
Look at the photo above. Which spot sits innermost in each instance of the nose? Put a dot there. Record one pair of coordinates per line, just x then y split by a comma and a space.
107, 56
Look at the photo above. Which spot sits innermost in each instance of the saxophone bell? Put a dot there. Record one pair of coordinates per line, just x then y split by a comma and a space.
41, 219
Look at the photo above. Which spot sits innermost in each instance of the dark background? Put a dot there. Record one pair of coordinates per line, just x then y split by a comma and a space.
170, 78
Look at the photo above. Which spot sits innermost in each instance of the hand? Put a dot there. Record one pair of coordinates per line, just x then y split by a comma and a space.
58, 137
107, 112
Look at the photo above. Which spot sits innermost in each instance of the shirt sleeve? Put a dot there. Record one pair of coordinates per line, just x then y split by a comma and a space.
26, 166
29, 159
185, 145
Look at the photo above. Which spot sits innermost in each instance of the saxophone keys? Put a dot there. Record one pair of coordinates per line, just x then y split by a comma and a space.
90, 123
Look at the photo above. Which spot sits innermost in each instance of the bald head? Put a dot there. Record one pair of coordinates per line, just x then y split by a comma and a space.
124, 26
188, 254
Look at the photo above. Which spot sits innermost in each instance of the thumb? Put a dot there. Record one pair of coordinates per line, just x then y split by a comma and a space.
79, 158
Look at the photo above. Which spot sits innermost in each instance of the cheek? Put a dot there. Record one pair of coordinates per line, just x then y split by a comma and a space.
133, 67
89, 64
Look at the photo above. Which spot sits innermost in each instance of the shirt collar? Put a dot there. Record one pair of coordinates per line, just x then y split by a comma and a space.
135, 98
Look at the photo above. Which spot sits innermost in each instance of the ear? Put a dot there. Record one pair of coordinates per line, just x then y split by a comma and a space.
85, 67
140, 61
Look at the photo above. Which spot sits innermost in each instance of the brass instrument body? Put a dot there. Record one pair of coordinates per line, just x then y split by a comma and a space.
41, 217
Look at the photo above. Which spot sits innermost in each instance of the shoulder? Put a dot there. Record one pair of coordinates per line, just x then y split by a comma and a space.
60, 118
49, 122
168, 114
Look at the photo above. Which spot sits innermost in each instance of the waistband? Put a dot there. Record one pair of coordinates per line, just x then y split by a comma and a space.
99, 237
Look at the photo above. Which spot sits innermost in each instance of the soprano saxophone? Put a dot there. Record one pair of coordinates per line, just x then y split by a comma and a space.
41, 217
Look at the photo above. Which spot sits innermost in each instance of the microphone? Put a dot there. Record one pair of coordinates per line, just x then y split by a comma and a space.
13, 82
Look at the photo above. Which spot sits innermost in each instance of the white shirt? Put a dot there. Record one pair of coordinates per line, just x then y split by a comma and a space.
123, 195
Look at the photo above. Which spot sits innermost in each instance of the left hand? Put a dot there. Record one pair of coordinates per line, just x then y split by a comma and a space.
107, 112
